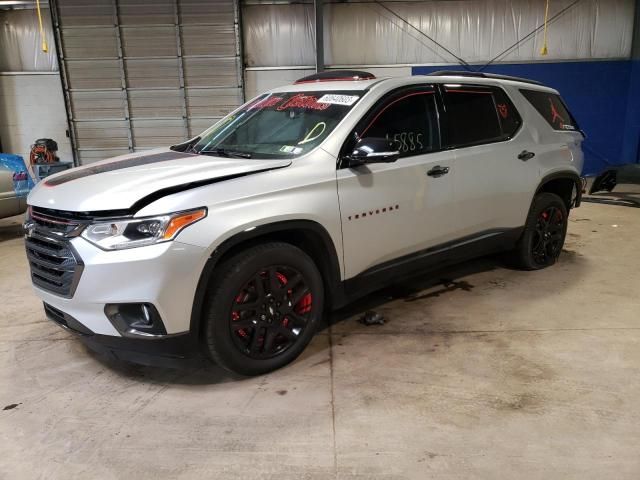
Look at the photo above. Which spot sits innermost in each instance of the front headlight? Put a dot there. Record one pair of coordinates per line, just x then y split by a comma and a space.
119, 234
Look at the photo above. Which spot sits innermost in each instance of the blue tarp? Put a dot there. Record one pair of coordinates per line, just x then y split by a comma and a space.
23, 183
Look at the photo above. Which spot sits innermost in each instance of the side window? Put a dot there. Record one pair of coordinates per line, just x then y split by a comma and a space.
552, 108
471, 115
409, 119
509, 117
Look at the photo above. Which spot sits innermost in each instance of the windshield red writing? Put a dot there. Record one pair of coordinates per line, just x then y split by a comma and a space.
304, 101
265, 103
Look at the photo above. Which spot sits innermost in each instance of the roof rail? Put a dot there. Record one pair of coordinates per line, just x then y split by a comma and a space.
457, 73
336, 76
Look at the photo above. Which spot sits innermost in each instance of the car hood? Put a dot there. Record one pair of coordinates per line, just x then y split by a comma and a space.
130, 181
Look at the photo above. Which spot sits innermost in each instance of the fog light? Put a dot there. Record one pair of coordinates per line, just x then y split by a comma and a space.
135, 319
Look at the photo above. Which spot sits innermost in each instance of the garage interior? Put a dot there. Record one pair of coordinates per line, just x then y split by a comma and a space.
478, 371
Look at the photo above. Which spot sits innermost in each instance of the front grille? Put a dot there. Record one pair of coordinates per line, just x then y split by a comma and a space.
54, 222
55, 265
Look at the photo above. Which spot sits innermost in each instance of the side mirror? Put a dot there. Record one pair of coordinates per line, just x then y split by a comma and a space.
373, 150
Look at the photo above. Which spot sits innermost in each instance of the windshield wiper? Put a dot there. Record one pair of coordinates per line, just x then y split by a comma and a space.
223, 152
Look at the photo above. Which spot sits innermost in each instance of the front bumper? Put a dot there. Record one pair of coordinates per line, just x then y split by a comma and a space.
165, 275
167, 351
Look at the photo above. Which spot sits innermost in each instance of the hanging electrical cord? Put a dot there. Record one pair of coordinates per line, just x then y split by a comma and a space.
45, 47
406, 22
527, 37
544, 51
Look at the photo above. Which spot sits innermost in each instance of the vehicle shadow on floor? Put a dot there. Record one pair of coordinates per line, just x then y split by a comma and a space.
202, 372
11, 228
448, 280
420, 288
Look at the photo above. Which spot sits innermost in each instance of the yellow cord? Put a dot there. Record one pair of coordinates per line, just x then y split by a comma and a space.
544, 51
45, 47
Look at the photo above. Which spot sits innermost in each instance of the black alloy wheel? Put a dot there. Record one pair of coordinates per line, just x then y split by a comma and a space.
270, 312
544, 233
548, 236
264, 305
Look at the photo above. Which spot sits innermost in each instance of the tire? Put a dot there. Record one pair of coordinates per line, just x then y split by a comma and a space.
545, 230
253, 324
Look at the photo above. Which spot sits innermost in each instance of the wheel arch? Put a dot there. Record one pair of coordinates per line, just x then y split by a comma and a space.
308, 235
562, 184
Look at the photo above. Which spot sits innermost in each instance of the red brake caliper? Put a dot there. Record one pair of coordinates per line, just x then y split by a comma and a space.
283, 280
303, 306
235, 316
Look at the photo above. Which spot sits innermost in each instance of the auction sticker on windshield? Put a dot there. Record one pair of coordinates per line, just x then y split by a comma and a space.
339, 99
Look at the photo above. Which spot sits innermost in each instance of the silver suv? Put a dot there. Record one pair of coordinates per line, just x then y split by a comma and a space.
234, 243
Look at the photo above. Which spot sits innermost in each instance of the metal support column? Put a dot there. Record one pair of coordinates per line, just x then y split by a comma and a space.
123, 73
319, 26
237, 23
64, 79
183, 90
635, 43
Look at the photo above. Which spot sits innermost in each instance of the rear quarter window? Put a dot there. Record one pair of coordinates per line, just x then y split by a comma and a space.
552, 108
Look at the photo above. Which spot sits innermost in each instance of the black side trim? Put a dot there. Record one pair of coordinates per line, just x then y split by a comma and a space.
430, 259
329, 265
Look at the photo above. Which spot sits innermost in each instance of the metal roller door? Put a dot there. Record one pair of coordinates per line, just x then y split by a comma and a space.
139, 74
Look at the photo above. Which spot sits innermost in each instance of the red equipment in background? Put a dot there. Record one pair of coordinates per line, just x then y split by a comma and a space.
43, 151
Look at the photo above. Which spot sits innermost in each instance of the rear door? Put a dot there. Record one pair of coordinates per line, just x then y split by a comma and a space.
390, 210
492, 186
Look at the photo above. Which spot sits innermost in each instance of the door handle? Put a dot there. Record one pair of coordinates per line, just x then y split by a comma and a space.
524, 155
438, 171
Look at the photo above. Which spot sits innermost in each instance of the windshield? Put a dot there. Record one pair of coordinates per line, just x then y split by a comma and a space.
278, 125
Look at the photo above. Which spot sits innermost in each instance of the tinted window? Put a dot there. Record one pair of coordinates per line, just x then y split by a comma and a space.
552, 108
509, 117
409, 119
472, 116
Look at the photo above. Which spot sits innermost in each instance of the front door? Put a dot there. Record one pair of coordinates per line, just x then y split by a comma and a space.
390, 210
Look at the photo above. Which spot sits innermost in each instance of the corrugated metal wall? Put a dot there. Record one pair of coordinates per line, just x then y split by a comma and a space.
410, 32
140, 73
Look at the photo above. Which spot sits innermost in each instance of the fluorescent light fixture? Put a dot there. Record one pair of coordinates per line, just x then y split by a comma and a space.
22, 3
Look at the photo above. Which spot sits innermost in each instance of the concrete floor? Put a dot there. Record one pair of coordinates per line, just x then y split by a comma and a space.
493, 373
